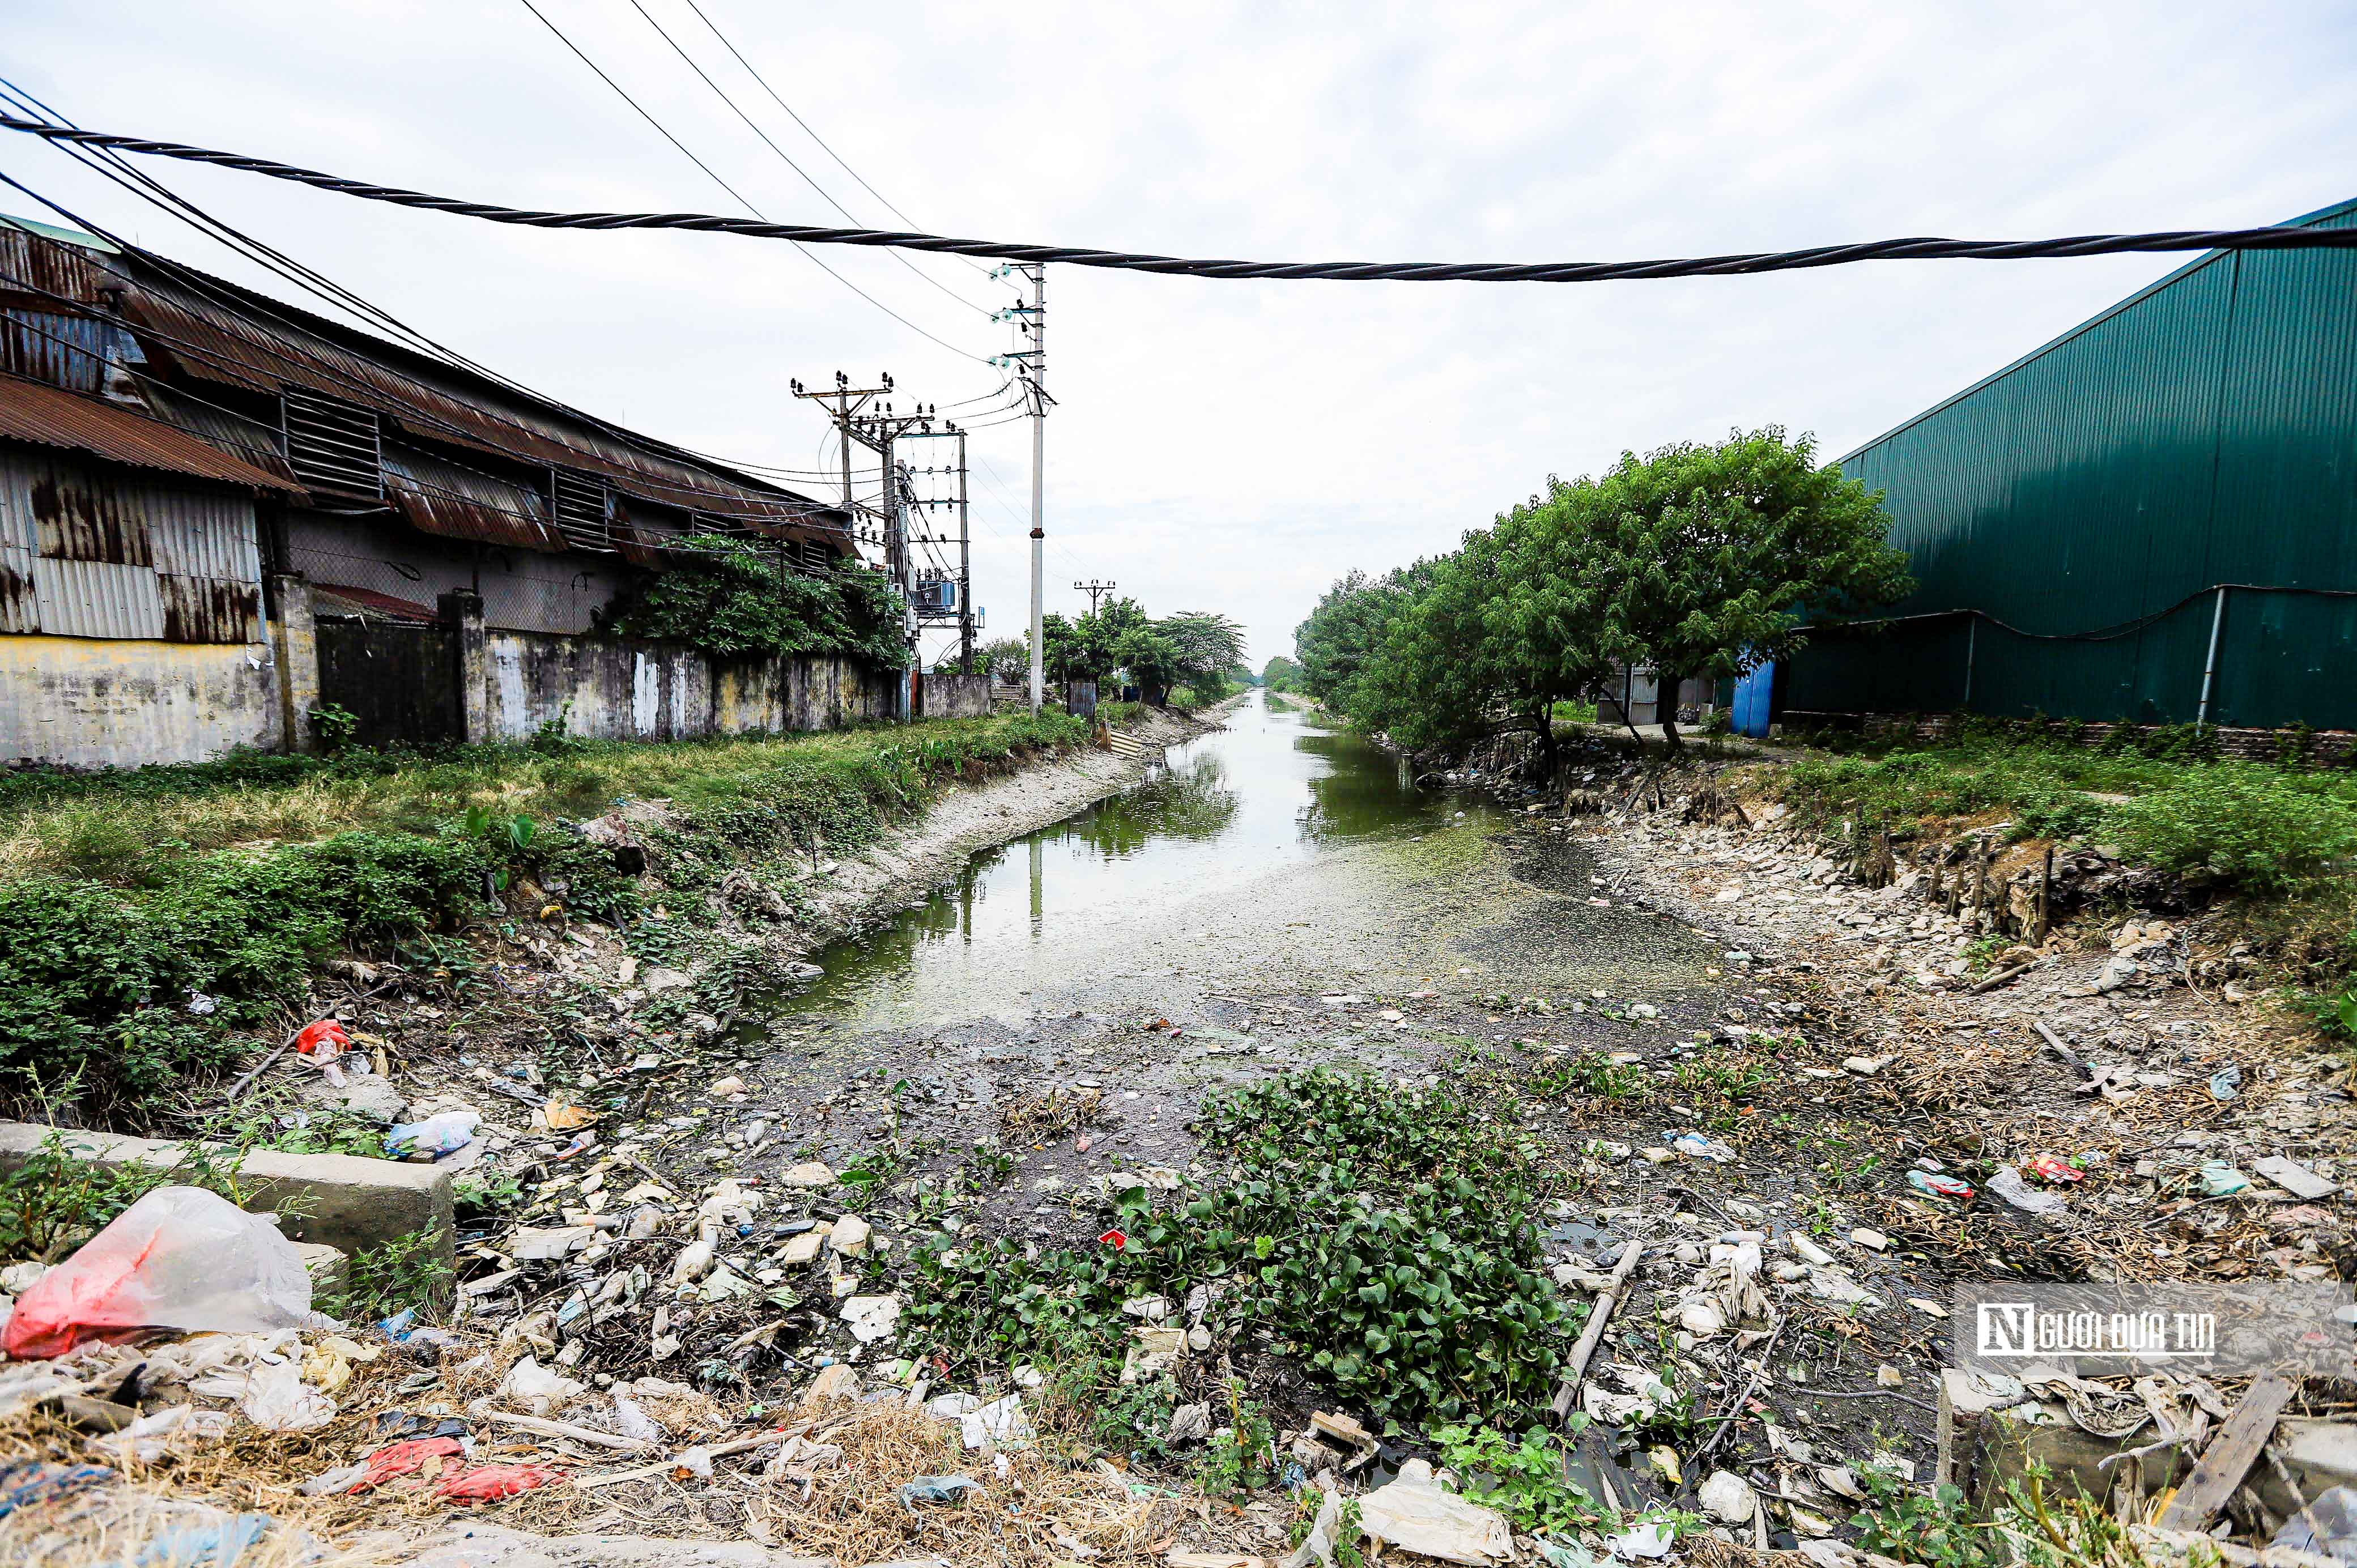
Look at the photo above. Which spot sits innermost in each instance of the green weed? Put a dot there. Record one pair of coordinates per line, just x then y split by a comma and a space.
405, 1272
1522, 1477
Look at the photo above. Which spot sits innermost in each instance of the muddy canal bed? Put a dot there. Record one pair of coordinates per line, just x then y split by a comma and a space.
1040, 1035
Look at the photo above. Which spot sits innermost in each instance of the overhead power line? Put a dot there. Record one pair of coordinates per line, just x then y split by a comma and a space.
731, 190
717, 91
2274, 238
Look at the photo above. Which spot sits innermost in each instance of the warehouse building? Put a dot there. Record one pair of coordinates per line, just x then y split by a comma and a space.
2151, 519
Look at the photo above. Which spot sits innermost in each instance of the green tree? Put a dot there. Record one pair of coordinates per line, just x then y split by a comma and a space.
721, 595
1702, 560
1486, 648
1153, 661
1281, 674
1206, 645
1007, 659
1347, 626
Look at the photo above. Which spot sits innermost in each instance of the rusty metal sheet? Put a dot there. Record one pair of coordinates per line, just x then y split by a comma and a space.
51, 416
435, 497
210, 609
219, 334
49, 346
80, 515
340, 599
97, 598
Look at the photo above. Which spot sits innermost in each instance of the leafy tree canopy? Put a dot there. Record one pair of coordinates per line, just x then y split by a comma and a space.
722, 596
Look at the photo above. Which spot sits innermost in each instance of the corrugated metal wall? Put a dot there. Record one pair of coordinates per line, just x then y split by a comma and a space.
2202, 431
89, 554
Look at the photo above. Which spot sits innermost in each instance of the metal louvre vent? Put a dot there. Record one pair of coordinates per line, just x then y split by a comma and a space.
585, 510
332, 445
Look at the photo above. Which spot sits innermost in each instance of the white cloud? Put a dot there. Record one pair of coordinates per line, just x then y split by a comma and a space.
1224, 445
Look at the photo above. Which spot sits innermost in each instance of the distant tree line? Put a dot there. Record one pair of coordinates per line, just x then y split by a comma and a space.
1695, 560
1191, 648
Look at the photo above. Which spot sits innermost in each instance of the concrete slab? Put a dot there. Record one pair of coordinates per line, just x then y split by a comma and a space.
341, 1200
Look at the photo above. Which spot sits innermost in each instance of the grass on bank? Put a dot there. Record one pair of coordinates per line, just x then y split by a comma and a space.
2277, 840
153, 922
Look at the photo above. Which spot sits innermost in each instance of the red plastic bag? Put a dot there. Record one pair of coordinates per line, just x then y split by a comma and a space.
492, 1482
2054, 1168
179, 1258
403, 1459
325, 1040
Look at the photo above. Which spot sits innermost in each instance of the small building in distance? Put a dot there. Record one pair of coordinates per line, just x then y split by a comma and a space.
2152, 518
218, 511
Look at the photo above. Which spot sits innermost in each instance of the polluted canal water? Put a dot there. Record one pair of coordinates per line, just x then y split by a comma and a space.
1179, 869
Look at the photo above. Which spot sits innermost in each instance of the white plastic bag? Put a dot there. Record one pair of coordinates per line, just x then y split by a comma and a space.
438, 1134
179, 1258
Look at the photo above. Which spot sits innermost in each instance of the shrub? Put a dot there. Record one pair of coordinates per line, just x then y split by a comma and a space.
2251, 825
1382, 1234
98, 987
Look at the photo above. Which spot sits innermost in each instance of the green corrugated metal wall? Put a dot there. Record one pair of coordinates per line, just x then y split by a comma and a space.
2203, 431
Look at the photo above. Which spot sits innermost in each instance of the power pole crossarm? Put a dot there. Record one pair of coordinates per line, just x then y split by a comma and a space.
1095, 591
1029, 360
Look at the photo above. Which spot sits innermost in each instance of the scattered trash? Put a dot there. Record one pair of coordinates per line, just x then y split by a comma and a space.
1931, 1184
492, 1482
537, 1389
1414, 1514
2294, 1179
2226, 1083
443, 1134
872, 1317
2053, 1168
399, 1459
1653, 1539
2006, 1183
216, 1542
323, 1041
1728, 1497
1696, 1146
2220, 1179
277, 1399
936, 1489
2327, 1526
181, 1257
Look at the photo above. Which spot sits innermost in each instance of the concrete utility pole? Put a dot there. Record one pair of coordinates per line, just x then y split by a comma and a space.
1030, 361
1095, 591
878, 432
928, 504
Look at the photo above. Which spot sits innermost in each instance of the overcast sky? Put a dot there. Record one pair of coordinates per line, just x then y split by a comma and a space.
1229, 446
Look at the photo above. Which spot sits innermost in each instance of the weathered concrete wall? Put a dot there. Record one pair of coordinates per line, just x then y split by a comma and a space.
956, 696
97, 702
622, 690
346, 1202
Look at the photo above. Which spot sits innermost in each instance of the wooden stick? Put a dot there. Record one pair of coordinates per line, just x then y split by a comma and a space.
1590, 1337
590, 1434
717, 1450
2001, 977
2228, 1458
2046, 896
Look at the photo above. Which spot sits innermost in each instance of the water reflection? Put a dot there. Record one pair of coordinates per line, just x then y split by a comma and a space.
1189, 800
1273, 788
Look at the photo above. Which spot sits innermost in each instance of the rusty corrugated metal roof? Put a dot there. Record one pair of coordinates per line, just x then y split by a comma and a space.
50, 416
337, 598
215, 333
212, 330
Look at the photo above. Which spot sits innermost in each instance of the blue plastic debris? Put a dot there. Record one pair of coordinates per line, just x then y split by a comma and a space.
28, 1483
216, 1543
